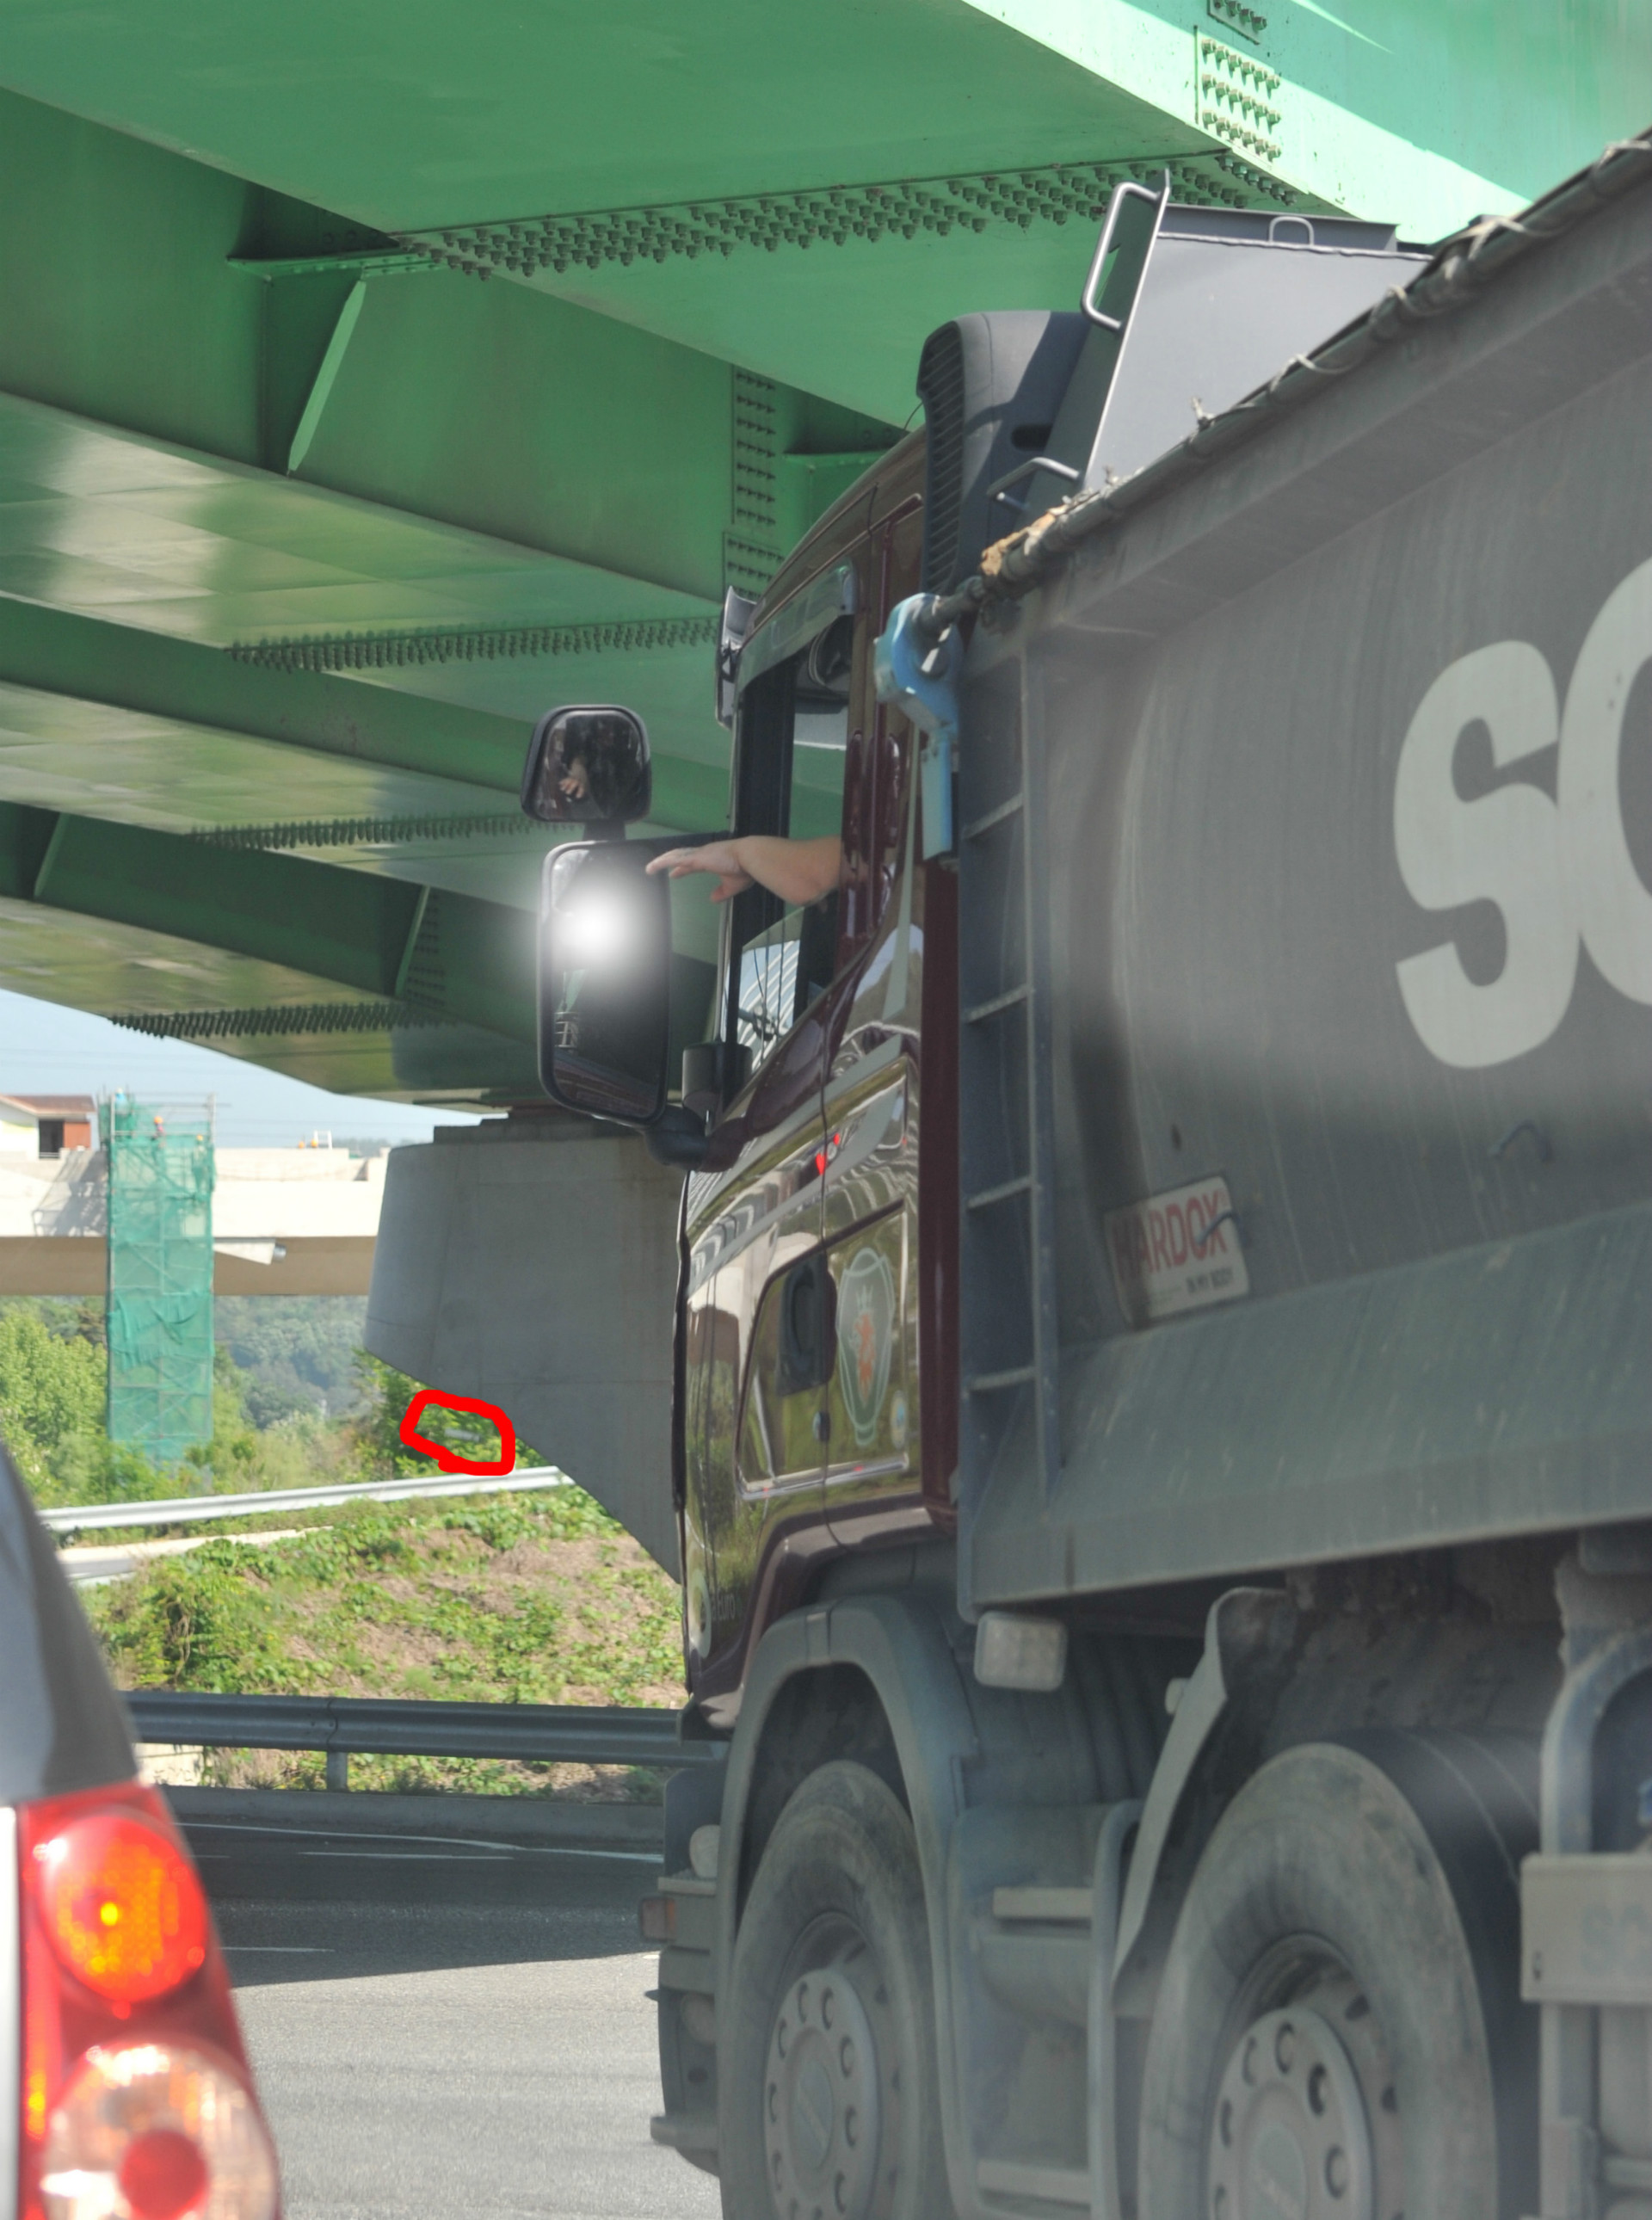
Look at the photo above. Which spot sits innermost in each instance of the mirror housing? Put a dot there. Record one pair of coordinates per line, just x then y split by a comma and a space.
587, 766
713, 1073
679, 1138
604, 970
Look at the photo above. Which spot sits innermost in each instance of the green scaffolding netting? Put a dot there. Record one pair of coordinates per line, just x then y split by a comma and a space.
160, 1171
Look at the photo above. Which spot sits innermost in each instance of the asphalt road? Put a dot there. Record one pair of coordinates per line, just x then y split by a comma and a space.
445, 2029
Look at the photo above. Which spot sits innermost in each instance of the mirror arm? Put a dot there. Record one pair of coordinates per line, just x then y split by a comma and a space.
678, 1138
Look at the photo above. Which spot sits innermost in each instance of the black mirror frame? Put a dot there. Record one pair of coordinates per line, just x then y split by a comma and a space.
597, 828
545, 1055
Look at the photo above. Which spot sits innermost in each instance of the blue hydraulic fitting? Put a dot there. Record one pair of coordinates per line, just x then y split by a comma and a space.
916, 670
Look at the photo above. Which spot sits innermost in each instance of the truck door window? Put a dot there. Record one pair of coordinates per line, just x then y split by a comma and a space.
800, 711
779, 1442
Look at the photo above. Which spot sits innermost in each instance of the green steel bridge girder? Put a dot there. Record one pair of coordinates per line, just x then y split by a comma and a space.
290, 1022
90, 659
385, 656
447, 955
300, 524
592, 459
203, 740
412, 114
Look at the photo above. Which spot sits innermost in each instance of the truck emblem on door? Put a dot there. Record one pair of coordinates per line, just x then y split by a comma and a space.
1560, 872
865, 1324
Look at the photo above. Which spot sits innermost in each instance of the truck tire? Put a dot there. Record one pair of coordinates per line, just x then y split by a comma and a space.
1332, 2033
827, 2084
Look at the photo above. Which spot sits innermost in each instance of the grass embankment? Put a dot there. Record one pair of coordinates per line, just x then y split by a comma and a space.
533, 1599
539, 1598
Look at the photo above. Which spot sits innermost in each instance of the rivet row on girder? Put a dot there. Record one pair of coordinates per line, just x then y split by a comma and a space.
1237, 93
1256, 111
363, 831
1254, 142
747, 565
1238, 18
282, 1019
834, 214
1243, 68
396, 650
755, 510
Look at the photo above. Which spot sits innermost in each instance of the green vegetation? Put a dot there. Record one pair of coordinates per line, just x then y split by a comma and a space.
52, 1372
294, 1353
530, 1599
533, 1599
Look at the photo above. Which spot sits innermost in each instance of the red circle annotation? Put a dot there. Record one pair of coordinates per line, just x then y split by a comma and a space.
454, 1460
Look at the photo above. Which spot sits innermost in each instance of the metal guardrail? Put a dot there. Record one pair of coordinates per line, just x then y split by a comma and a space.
185, 1510
345, 1725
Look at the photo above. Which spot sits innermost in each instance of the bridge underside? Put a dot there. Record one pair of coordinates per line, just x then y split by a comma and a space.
373, 377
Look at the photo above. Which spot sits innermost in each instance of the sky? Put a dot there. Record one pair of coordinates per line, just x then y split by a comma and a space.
48, 1050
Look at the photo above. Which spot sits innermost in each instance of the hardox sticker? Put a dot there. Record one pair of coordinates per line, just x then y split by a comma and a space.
1176, 1252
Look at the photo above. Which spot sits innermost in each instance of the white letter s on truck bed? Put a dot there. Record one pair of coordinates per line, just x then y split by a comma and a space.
1559, 872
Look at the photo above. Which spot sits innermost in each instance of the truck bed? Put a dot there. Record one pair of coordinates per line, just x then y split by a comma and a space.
1259, 955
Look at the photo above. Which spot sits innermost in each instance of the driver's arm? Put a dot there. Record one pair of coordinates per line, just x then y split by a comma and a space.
796, 871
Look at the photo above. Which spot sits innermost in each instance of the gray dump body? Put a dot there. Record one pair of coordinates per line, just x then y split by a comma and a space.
1336, 766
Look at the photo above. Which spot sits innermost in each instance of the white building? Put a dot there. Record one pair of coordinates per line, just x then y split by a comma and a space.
285, 1222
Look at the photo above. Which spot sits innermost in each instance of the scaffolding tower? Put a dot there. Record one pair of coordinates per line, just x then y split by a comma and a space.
159, 1309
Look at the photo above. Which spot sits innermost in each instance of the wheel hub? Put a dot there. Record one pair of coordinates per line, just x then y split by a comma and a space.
1290, 2139
821, 2101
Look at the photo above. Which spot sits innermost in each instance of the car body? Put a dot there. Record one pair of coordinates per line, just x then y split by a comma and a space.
125, 2090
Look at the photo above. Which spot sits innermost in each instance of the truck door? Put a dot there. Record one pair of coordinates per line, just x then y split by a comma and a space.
869, 1223
758, 1338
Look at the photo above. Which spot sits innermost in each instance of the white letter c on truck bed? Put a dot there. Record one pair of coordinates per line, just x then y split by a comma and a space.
1610, 903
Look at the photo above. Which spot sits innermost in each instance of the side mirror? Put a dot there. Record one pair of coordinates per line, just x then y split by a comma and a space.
604, 982
588, 767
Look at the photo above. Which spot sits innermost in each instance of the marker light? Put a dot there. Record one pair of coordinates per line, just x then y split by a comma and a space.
148, 2131
123, 1907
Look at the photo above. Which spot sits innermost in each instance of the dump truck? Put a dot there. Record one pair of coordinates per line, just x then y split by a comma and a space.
1162, 1406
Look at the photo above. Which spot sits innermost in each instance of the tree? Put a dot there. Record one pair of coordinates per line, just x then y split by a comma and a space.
51, 1389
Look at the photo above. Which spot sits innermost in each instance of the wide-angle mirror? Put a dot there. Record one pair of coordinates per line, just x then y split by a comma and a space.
587, 766
604, 982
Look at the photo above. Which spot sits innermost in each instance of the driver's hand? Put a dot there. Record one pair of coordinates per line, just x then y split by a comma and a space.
576, 781
719, 857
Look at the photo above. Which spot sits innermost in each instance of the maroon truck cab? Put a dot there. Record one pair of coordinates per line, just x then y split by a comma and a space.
817, 1399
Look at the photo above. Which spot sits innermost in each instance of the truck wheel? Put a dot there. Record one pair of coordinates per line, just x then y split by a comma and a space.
830, 2108
1331, 2035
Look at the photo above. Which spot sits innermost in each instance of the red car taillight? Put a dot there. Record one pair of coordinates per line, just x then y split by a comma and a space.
121, 1906
137, 2101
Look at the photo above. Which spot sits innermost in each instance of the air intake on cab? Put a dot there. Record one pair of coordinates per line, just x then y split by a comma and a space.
991, 386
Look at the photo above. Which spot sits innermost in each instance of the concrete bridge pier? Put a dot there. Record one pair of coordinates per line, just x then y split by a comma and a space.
530, 1261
